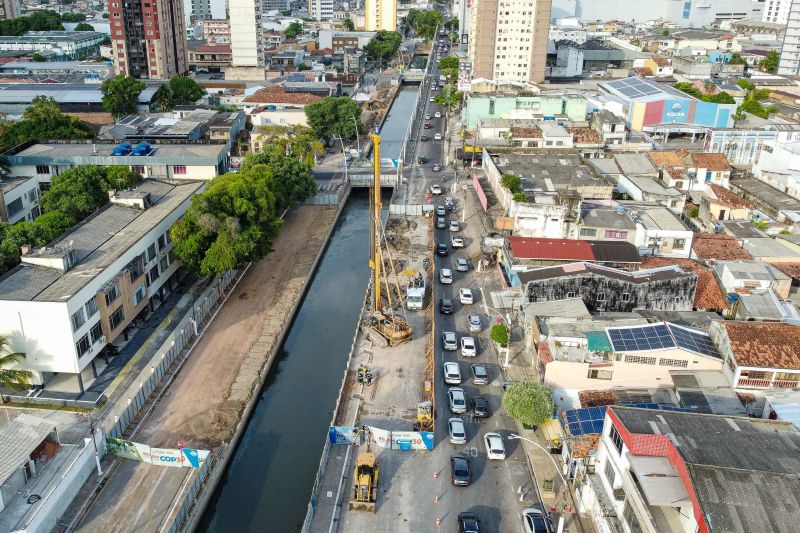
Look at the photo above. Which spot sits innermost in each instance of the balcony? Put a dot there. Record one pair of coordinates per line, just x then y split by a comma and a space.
747, 383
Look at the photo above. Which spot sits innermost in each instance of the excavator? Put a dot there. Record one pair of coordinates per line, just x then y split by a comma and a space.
393, 328
365, 483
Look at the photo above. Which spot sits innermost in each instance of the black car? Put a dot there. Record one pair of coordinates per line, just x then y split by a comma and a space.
446, 306
468, 523
421, 160
441, 249
480, 407
459, 470
425, 138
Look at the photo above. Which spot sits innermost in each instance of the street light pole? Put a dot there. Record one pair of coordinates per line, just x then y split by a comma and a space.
344, 158
358, 141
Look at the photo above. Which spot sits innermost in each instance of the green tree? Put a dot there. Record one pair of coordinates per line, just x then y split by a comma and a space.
121, 95
520, 197
770, 63
120, 177
293, 30
383, 46
37, 57
499, 333
528, 402
294, 181
82, 26
185, 90
13, 378
348, 25
746, 85
105, 15
302, 66
286, 13
162, 99
449, 66
665, 32
72, 17
42, 120
45, 20
77, 192
334, 116
737, 59
449, 97
511, 182
424, 22
296, 141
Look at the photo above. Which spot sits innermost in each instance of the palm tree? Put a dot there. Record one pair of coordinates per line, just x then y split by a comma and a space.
12, 378
162, 99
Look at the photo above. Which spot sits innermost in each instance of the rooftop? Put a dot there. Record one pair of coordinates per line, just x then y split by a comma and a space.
97, 243
764, 344
718, 246
63, 93
725, 197
661, 218
763, 304
653, 186
768, 247
45, 37
84, 153
577, 269
19, 439
632, 164
708, 294
712, 162
767, 194
706, 391
740, 229
749, 270
573, 250
636, 89
605, 217
566, 308
550, 173
669, 159
279, 95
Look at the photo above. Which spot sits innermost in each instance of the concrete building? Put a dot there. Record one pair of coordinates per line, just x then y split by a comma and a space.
149, 38
201, 10
63, 303
742, 146
776, 11
320, 10
247, 37
602, 223
789, 64
610, 126
718, 203
70, 97
575, 60
55, 45
217, 31
20, 199
379, 15
743, 276
678, 13
661, 233
9, 9
209, 57
508, 40
564, 107
339, 40
778, 166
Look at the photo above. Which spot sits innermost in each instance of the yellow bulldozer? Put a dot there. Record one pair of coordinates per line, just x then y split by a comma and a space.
392, 328
365, 483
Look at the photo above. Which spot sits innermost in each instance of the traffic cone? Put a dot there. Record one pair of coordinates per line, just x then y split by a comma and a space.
553, 508
436, 499
435, 474
438, 522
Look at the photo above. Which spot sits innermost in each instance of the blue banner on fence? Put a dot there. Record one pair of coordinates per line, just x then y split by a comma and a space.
341, 435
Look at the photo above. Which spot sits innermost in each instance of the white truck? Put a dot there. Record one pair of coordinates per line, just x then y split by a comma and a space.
415, 293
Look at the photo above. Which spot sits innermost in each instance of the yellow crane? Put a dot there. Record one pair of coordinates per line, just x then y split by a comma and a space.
393, 328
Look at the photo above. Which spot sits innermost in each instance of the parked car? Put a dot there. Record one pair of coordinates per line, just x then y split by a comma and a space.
468, 347
427, 125
536, 521
217, 77
468, 523
480, 374
436, 166
431, 99
474, 322
425, 138
458, 434
465, 296
421, 160
495, 449
462, 265
449, 203
427, 116
456, 242
436, 189
437, 137
445, 276
446, 306
438, 114
459, 470
454, 225
441, 222
441, 211
441, 249
452, 373
449, 341
480, 407
457, 400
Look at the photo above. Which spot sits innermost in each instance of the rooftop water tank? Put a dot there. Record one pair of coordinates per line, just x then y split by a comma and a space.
141, 149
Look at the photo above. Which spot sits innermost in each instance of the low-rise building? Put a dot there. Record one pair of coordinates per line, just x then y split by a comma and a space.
774, 202
63, 303
692, 171
339, 40
552, 106
743, 276
610, 126
209, 57
72, 98
742, 146
718, 246
771, 250
708, 295
644, 189
718, 203
778, 166
602, 223
55, 45
660, 232
20, 199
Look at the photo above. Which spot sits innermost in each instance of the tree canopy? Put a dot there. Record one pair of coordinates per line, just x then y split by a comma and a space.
72, 17
348, 25
13, 378
44, 20
449, 66
770, 63
42, 120
297, 141
334, 116
185, 90
162, 100
121, 95
424, 22
383, 46
293, 30
449, 97
82, 26
528, 402
718, 98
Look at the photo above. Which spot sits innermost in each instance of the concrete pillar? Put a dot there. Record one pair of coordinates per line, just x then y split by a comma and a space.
94, 369
80, 383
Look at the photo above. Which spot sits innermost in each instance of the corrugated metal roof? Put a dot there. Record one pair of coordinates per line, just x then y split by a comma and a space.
19, 439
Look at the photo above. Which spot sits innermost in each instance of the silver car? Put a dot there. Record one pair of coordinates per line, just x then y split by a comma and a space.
474, 322
452, 373
457, 400
458, 434
480, 374
462, 265
449, 341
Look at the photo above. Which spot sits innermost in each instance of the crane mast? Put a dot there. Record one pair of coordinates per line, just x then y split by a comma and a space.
375, 222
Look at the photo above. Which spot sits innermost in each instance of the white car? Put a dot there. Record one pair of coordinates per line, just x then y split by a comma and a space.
458, 434
452, 374
445, 276
468, 347
454, 225
474, 322
495, 449
431, 99
536, 521
462, 265
457, 400
456, 242
437, 137
438, 114
427, 116
436, 189
465, 296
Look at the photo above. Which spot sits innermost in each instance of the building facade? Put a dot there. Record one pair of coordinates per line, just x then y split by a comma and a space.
55, 45
776, 11
201, 10
247, 36
789, 64
380, 15
508, 40
687, 14
9, 9
149, 38
320, 10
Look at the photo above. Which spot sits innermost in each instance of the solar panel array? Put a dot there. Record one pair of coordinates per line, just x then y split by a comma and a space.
589, 420
635, 87
661, 336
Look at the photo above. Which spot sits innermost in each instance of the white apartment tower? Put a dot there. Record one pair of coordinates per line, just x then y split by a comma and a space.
320, 10
776, 11
247, 38
380, 15
789, 64
508, 39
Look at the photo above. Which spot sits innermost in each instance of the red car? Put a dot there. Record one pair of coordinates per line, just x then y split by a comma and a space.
427, 125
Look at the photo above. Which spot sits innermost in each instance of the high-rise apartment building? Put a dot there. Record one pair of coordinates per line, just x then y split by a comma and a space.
9, 9
320, 10
247, 36
201, 10
776, 11
380, 15
508, 39
789, 64
148, 38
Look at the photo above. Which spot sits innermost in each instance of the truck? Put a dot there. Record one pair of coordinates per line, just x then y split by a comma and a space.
415, 293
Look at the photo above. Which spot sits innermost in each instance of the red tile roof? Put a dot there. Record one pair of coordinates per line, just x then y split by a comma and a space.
790, 269
213, 48
526, 133
661, 61
561, 249
708, 294
584, 135
277, 95
764, 344
726, 197
718, 246
644, 71
669, 159
712, 162
545, 356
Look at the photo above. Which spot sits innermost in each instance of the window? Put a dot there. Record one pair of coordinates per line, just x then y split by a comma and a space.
571, 294
139, 169
139, 295
601, 297
82, 346
600, 374
96, 332
153, 275
162, 242
14, 207
755, 374
112, 294
614, 234
588, 232
611, 476
151, 252
91, 307
78, 319
630, 518
136, 268
665, 361
43, 169
616, 440
164, 263
116, 318
679, 243
640, 359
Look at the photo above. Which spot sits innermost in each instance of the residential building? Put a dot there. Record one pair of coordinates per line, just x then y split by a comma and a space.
338, 41
603, 223
558, 107
660, 232
691, 171
776, 11
789, 64
247, 37
209, 57
610, 126
508, 40
276, 105
708, 296
63, 303
380, 15
174, 161
201, 10
179, 125
594, 56
769, 200
743, 276
320, 10
759, 355
771, 250
149, 38
764, 304
217, 31
717, 246
681, 14
778, 166
55, 45
20, 199
718, 203
644, 189
743, 146
9, 9
659, 470
89, 72
72, 98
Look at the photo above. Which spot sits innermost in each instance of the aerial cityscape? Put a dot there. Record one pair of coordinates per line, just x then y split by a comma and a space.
358, 266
